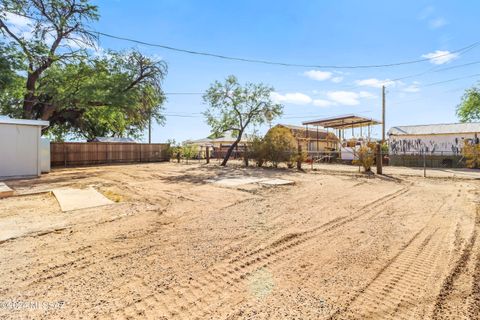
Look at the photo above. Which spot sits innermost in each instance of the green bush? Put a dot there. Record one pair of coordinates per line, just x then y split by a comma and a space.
471, 152
366, 157
189, 151
257, 151
280, 146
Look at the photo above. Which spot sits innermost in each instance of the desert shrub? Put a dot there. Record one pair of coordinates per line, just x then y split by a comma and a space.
189, 151
471, 152
174, 149
257, 151
280, 146
297, 157
384, 148
366, 157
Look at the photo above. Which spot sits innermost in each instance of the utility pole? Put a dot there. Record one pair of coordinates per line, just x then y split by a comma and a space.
383, 114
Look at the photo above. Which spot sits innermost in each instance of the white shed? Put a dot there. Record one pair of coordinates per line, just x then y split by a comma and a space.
20, 147
447, 139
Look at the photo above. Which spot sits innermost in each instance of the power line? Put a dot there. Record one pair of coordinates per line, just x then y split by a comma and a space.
449, 80
285, 64
269, 62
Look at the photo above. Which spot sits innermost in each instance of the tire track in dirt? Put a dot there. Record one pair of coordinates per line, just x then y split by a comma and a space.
474, 307
399, 283
328, 226
219, 282
441, 308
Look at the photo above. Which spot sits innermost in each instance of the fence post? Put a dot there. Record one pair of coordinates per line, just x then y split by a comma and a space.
65, 154
299, 157
424, 164
207, 153
245, 155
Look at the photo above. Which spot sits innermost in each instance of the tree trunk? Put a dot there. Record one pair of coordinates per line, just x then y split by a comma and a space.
230, 149
29, 100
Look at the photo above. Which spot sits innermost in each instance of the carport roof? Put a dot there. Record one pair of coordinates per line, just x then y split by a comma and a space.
25, 122
343, 122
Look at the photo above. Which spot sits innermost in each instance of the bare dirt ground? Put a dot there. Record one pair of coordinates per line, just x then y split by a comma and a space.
335, 245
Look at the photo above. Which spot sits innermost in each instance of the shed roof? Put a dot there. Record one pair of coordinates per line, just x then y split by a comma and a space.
343, 122
25, 122
443, 128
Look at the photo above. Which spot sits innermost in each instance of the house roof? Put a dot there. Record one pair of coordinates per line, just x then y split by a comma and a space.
113, 139
228, 137
7, 120
444, 128
301, 132
343, 122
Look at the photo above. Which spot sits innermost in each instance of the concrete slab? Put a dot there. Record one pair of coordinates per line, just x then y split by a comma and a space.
235, 182
240, 181
5, 190
276, 182
74, 199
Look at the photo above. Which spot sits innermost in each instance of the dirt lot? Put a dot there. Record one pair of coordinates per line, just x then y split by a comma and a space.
335, 245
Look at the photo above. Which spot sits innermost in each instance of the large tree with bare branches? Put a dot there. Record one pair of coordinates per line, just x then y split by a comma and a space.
57, 33
234, 107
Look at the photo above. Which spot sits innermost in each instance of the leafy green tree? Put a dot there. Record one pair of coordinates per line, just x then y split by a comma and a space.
11, 82
58, 34
469, 108
112, 95
233, 107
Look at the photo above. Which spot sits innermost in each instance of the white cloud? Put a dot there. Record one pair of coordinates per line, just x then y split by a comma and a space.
437, 23
412, 88
16, 20
348, 98
318, 75
426, 12
337, 79
374, 83
293, 98
324, 75
322, 103
19, 25
366, 95
440, 57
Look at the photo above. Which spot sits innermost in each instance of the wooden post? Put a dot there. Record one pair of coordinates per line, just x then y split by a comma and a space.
245, 154
207, 154
383, 114
65, 154
424, 164
379, 158
299, 158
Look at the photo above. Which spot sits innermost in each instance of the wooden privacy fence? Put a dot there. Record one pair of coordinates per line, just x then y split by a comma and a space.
89, 153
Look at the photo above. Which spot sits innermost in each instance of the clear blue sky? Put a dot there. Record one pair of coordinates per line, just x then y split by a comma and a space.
306, 32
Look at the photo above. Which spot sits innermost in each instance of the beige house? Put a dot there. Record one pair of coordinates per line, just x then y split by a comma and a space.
312, 140
218, 146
